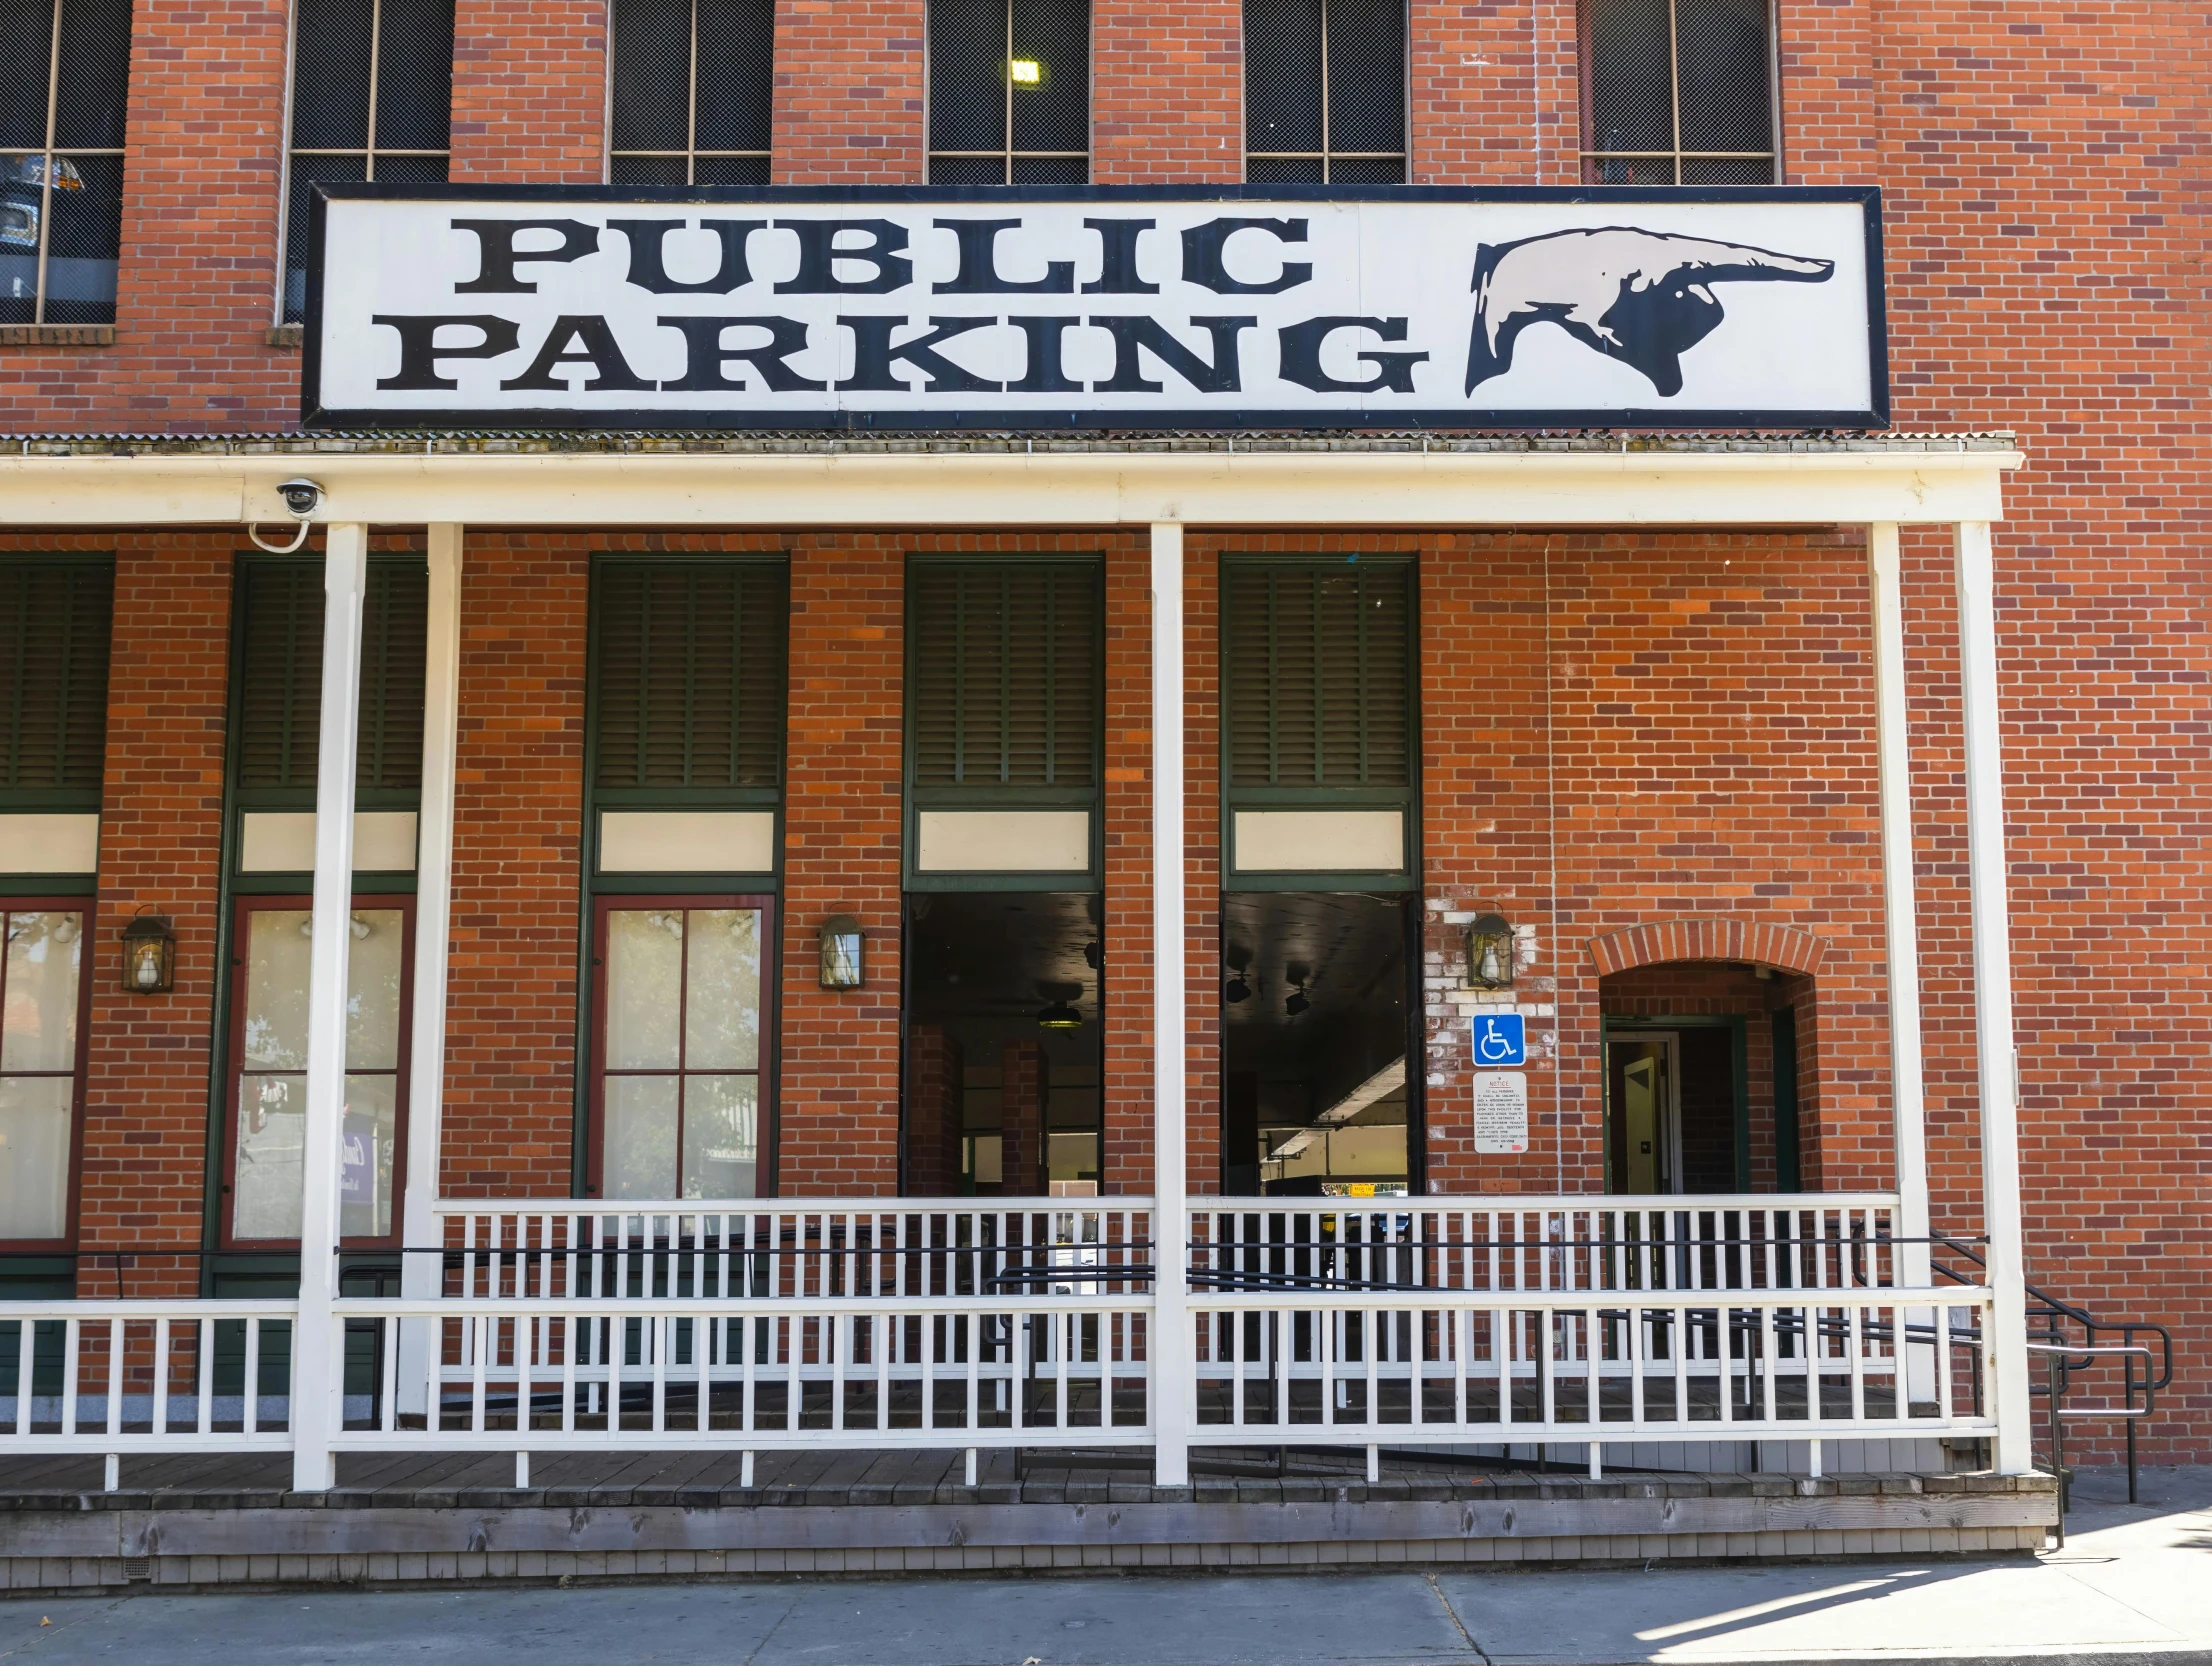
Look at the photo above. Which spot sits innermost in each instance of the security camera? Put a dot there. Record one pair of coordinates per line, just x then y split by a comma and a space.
300, 497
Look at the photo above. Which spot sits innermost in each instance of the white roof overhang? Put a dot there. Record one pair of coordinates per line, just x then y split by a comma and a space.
618, 481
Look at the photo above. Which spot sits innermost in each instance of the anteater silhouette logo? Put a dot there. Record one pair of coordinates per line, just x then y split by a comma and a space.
1642, 297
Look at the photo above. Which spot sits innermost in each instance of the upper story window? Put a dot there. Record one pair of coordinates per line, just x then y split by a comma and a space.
692, 92
64, 79
1009, 92
1325, 92
372, 99
1679, 92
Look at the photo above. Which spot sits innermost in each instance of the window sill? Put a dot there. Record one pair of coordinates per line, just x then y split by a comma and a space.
57, 335
285, 336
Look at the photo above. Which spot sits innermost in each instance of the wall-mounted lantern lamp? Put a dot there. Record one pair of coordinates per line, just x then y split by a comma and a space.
1490, 953
149, 954
842, 945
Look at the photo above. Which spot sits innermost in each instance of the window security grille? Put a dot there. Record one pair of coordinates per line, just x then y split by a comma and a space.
1317, 662
692, 92
1679, 92
277, 722
1325, 92
1009, 92
688, 676
372, 99
54, 624
64, 74
1005, 682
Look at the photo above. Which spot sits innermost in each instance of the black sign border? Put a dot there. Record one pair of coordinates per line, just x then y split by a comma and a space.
1033, 421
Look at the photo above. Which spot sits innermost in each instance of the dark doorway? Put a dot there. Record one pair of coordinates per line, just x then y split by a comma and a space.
1674, 1107
1316, 1032
1003, 1052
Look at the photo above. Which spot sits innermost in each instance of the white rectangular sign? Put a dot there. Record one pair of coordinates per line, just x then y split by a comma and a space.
1069, 308
1501, 1113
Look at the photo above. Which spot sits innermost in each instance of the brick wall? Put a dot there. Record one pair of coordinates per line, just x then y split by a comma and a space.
518, 823
144, 1146
849, 92
530, 91
2043, 180
1167, 92
839, 1113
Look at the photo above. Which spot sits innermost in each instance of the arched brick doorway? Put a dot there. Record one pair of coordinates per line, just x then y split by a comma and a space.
1710, 1057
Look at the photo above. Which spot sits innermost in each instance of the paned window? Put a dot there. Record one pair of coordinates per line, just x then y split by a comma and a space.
277, 723
64, 79
271, 941
683, 987
1678, 92
42, 994
1325, 92
692, 92
54, 626
1009, 92
372, 99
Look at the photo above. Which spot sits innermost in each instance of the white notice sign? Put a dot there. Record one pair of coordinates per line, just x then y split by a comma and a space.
1094, 307
1501, 1113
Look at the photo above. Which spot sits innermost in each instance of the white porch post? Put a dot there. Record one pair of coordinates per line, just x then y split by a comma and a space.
1995, 1066
1169, 1342
1893, 755
318, 1346
420, 1274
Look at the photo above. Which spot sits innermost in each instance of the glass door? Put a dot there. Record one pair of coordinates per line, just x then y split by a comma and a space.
269, 1069
677, 1098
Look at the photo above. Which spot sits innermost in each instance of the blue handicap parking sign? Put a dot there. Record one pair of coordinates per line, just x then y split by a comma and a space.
1499, 1038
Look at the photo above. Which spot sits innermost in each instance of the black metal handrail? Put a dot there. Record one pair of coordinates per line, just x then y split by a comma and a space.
2055, 1314
2066, 1359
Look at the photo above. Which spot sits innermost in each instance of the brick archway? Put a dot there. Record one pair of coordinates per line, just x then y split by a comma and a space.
1758, 942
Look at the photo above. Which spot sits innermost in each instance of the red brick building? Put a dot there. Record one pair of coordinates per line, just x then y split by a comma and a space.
659, 682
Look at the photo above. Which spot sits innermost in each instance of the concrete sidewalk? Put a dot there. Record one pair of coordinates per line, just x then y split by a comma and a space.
2134, 1583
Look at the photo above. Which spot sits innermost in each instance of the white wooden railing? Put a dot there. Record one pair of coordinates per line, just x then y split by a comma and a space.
803, 1371
796, 1248
1752, 1241
168, 1376
1028, 1322
1450, 1366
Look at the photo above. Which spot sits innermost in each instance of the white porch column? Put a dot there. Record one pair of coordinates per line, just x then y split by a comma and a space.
1174, 1404
1893, 754
318, 1352
441, 718
1996, 1080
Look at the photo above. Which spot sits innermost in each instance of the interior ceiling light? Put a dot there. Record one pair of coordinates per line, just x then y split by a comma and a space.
1059, 1016
1025, 72
1236, 989
1297, 1002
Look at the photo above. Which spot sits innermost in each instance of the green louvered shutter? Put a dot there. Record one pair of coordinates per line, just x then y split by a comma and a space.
1004, 692
1318, 668
55, 618
280, 677
688, 691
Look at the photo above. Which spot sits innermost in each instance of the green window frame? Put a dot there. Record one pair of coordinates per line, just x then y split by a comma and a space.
686, 697
56, 622
1320, 701
276, 686
1005, 700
